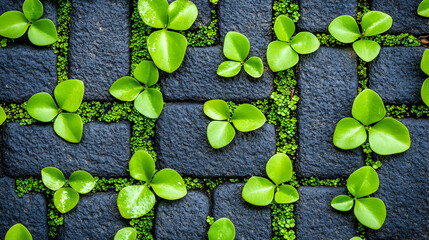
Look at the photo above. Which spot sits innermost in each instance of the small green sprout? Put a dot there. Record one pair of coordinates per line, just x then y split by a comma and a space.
127, 233
345, 29
423, 9
18, 232
355, 238
2, 116
369, 211
425, 68
222, 229
14, 24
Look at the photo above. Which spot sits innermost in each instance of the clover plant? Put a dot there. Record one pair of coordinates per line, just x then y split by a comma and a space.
386, 135
137, 200
127, 233
2, 116
67, 197
355, 238
423, 9
68, 96
369, 211
148, 101
425, 67
236, 48
260, 191
14, 24
283, 53
167, 48
345, 29
220, 132
18, 232
222, 229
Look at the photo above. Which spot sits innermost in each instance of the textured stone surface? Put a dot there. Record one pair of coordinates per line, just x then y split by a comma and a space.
196, 80
316, 15
327, 90
404, 14
103, 151
30, 210
96, 216
396, 75
316, 219
99, 51
181, 143
204, 13
184, 218
251, 222
404, 187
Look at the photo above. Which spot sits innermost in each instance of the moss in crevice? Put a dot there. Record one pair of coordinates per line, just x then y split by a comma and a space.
61, 46
283, 222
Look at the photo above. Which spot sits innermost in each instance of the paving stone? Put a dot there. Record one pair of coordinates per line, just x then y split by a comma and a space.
251, 222
316, 219
181, 143
103, 151
327, 90
396, 75
96, 216
316, 15
99, 51
197, 80
30, 210
404, 14
184, 218
204, 13
404, 187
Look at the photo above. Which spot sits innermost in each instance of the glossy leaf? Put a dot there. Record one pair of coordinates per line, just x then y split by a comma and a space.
69, 126
236, 46
82, 182
423, 9
279, 168
254, 67
286, 194
149, 103
53, 178
142, 166
349, 134
168, 184
375, 22
2, 116
42, 32
69, 95
126, 89
345, 29
65, 199
305, 43
258, 191
281, 56
13, 24
18, 232
363, 182
368, 107
216, 109
355, 238
425, 62
127, 233
147, 73
153, 12
222, 229
33, 10
424, 92
181, 14
41, 106
229, 69
284, 28
371, 212
342, 203
367, 50
247, 118
220, 133
135, 201
389, 136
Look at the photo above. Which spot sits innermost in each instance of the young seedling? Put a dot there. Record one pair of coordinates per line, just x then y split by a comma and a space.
14, 24
425, 67
345, 29
167, 48
2, 116
423, 9
148, 102
67, 197
137, 200
386, 135
69, 95
236, 48
220, 132
222, 229
283, 53
18, 232
369, 211
127, 233
260, 191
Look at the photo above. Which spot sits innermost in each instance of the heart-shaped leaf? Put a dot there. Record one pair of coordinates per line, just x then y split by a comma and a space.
423, 9
53, 178
82, 182
286, 194
222, 229
147, 73
425, 62
305, 43
247, 118
13, 24
181, 14
135, 201
371, 212
18, 232
424, 92
220, 134
345, 29
375, 22
42, 107
153, 12
229, 69
254, 67
363, 182
349, 134
368, 107
279, 168
69, 126
168, 184
281, 56
42, 32
389, 136
236, 46
69, 95
342, 203
216, 109
284, 28
126, 89
65, 199
258, 191
367, 50
2, 116
149, 103
127, 233
33, 10
142, 166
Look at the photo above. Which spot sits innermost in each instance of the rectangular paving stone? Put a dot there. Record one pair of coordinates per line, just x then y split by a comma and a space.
99, 51
316, 219
396, 75
327, 90
30, 210
251, 222
184, 218
103, 151
404, 187
181, 144
204, 13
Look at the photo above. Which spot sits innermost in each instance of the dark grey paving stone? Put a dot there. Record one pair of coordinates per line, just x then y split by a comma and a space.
251, 222
327, 90
197, 80
204, 13
103, 151
316, 15
404, 187
181, 143
99, 51
404, 14
30, 210
184, 218
316, 219
96, 216
396, 75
